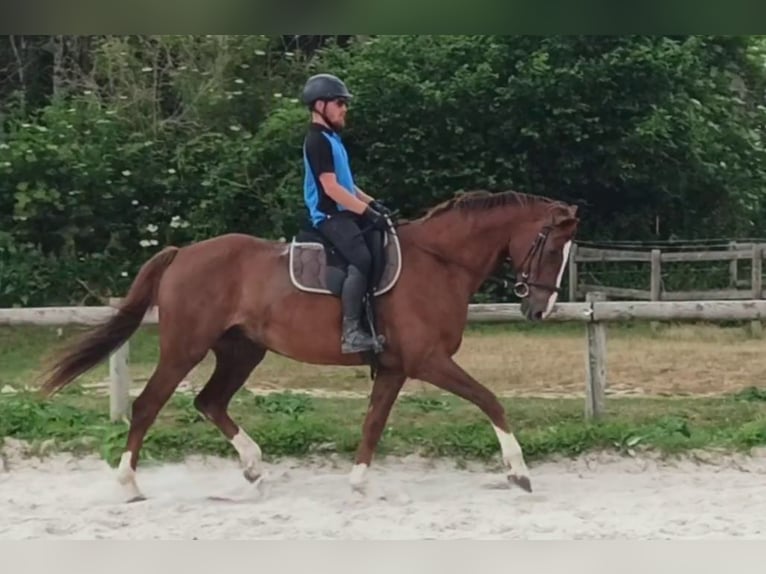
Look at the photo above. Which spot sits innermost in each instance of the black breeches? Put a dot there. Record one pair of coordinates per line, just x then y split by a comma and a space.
344, 232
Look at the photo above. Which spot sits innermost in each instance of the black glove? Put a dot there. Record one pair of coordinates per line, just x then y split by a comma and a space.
378, 206
378, 220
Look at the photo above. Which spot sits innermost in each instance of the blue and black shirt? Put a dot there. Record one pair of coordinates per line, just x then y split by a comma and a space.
324, 152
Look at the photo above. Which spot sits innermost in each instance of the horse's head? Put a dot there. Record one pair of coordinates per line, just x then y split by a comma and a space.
539, 251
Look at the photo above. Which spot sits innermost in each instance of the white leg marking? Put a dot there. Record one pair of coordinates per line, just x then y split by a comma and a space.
126, 476
554, 296
249, 454
357, 477
512, 455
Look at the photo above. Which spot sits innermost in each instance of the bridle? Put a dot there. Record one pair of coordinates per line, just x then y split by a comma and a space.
535, 252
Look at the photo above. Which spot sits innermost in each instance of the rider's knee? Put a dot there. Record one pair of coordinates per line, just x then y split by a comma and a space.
363, 261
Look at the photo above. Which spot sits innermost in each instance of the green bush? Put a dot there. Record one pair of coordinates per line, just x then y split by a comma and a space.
176, 139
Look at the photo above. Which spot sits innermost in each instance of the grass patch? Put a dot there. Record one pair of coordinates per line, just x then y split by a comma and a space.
518, 358
512, 358
297, 424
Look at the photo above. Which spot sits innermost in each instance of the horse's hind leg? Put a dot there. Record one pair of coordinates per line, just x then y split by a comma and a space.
236, 357
169, 372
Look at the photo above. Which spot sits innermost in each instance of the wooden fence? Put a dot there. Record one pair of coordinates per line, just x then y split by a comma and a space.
596, 312
739, 289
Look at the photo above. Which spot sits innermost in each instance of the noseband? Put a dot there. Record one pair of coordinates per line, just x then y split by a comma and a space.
522, 285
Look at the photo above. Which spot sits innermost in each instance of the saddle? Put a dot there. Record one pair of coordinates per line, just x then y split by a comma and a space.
317, 267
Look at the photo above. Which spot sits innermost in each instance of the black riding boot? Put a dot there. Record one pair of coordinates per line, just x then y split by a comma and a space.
354, 340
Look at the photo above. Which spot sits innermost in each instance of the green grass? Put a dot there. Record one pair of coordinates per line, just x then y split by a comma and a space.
296, 424
429, 423
22, 348
485, 352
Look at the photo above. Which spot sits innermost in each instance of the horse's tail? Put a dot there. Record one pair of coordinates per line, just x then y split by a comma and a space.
104, 339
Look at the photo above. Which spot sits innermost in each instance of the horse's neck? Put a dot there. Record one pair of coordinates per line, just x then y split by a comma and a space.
471, 244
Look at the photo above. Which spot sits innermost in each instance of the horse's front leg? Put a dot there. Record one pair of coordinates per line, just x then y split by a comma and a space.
385, 389
444, 373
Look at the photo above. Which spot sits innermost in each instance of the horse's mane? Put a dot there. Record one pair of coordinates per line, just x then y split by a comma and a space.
482, 199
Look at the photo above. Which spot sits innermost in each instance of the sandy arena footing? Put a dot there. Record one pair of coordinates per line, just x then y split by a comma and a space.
599, 496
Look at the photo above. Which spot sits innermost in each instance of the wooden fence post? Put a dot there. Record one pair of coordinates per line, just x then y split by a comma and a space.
119, 379
655, 284
733, 267
573, 272
757, 284
595, 367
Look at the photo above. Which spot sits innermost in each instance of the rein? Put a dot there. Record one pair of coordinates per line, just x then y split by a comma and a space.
522, 285
437, 254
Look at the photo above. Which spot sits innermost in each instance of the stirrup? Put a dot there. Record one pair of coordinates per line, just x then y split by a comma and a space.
379, 340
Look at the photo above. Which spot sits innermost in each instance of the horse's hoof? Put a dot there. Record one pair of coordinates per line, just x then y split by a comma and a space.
138, 498
522, 482
358, 487
251, 475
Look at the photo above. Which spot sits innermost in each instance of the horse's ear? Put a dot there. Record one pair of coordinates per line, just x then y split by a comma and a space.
566, 219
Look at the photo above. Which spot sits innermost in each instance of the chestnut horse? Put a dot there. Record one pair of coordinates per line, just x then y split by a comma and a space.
233, 295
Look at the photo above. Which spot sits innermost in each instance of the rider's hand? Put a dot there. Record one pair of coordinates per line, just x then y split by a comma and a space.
377, 205
378, 220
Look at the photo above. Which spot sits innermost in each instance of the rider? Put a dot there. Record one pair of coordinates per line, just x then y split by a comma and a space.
337, 207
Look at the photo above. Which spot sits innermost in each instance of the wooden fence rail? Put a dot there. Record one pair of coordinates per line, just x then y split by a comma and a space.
595, 313
739, 289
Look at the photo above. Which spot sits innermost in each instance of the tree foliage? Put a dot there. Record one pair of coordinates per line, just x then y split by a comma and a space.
114, 146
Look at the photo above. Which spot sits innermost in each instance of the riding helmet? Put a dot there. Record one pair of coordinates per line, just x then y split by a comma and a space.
324, 87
